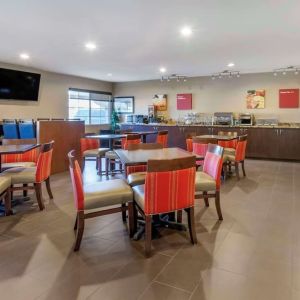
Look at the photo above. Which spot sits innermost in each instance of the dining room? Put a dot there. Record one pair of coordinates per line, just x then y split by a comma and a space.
150, 151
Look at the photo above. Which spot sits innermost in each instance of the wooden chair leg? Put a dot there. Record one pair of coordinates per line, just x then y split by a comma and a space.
243, 168
49, 188
237, 172
148, 235
38, 193
76, 221
218, 205
124, 216
191, 223
106, 166
97, 164
205, 199
7, 201
25, 192
100, 165
80, 229
179, 216
131, 219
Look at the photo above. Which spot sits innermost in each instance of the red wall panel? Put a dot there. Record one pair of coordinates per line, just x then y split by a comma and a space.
288, 98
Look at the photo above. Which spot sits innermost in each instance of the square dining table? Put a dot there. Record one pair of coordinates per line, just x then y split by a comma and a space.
217, 137
15, 149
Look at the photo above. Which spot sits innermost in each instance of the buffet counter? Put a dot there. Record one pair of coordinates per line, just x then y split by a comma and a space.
269, 142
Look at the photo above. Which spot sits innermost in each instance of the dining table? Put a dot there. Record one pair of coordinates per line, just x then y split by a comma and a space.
144, 134
15, 149
217, 137
141, 157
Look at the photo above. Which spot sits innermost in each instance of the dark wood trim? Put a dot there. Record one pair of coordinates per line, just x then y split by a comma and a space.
163, 165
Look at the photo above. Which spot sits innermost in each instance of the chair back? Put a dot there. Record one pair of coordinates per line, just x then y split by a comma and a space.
240, 151
27, 129
77, 182
10, 129
228, 144
43, 167
189, 144
200, 145
162, 138
169, 185
88, 144
29, 156
213, 163
130, 139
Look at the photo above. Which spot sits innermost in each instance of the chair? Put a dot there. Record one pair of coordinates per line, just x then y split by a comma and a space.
162, 138
91, 199
228, 146
136, 174
189, 144
27, 159
34, 175
90, 150
169, 187
10, 129
112, 158
208, 181
200, 146
237, 157
27, 129
5, 183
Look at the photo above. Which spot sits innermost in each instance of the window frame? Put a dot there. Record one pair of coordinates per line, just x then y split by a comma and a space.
123, 97
110, 103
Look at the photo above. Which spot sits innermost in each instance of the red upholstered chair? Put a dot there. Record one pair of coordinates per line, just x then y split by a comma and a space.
229, 146
200, 146
33, 177
162, 138
208, 181
237, 157
92, 198
130, 140
90, 150
189, 144
169, 187
136, 174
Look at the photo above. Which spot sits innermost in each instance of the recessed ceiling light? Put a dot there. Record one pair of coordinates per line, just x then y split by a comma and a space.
162, 70
186, 31
230, 65
24, 56
109, 74
90, 46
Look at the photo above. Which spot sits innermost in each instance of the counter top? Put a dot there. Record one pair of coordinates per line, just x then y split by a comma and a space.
229, 126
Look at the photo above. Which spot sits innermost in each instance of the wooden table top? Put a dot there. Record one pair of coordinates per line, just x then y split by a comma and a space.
107, 136
217, 137
141, 156
143, 132
16, 149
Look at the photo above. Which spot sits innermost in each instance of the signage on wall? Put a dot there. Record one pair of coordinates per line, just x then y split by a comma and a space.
184, 101
288, 98
255, 99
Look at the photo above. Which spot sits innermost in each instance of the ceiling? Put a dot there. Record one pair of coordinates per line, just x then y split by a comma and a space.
136, 37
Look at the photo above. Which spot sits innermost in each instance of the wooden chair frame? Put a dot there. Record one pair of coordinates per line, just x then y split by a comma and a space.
6, 195
81, 216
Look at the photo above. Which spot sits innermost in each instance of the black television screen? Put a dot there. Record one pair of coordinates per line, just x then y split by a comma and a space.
17, 85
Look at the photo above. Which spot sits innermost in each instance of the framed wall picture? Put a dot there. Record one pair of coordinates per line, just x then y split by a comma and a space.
124, 105
288, 98
184, 101
160, 102
255, 99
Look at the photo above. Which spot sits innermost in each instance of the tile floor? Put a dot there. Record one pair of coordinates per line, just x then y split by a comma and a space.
253, 254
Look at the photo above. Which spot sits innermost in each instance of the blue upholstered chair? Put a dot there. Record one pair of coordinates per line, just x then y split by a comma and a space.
26, 129
10, 129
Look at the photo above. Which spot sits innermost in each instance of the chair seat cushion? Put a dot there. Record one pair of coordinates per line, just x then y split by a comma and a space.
204, 182
136, 178
228, 157
25, 164
5, 183
139, 195
106, 193
111, 155
95, 152
21, 175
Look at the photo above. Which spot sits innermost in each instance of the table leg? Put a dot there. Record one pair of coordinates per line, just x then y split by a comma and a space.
144, 138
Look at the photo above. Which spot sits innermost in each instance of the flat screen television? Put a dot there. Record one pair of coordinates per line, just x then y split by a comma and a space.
18, 85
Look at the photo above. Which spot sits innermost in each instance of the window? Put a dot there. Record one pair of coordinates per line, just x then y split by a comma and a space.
124, 105
90, 106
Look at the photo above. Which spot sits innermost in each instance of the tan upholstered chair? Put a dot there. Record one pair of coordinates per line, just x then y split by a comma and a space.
5, 183
91, 199
136, 174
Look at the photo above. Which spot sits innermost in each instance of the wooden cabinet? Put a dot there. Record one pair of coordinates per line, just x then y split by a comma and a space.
269, 143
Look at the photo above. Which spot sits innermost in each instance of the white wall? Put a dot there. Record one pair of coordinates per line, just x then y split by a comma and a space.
53, 95
210, 96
